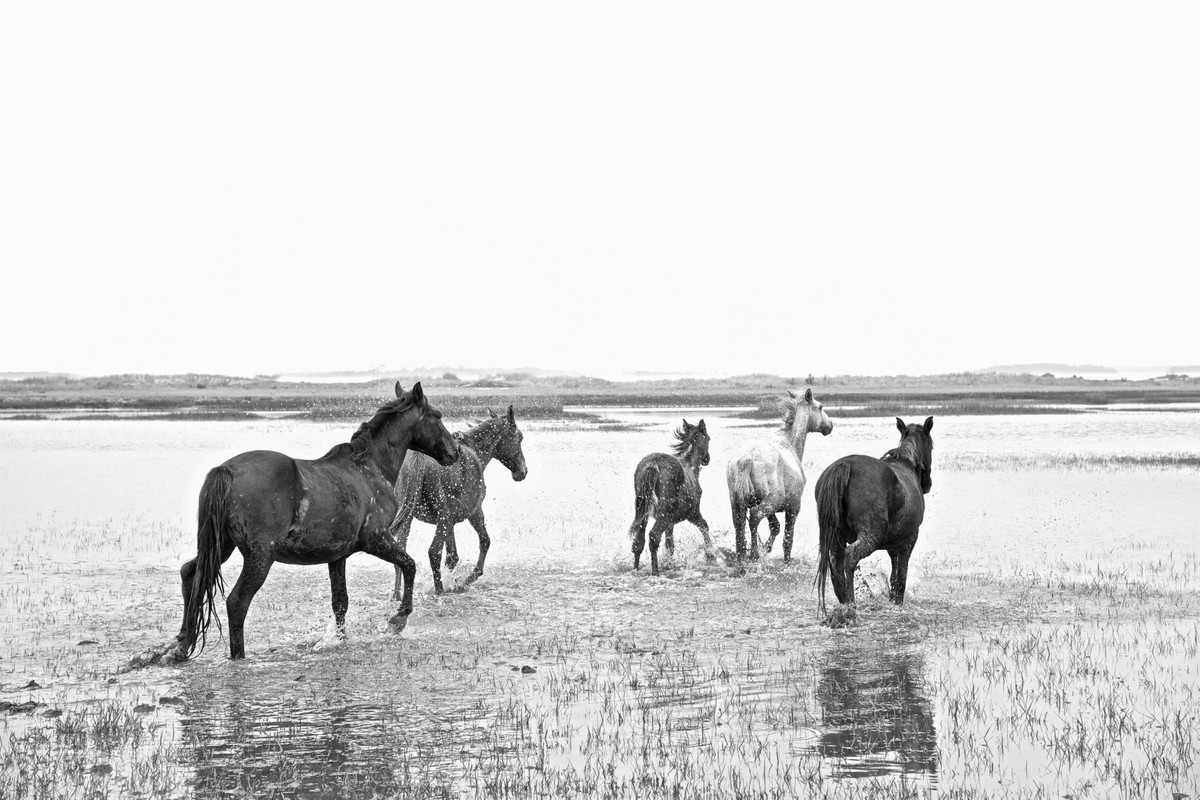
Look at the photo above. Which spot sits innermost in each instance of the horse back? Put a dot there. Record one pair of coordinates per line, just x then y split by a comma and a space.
879, 491
266, 489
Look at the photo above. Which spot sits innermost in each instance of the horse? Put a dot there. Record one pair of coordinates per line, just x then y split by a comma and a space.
866, 504
273, 507
769, 478
667, 487
446, 495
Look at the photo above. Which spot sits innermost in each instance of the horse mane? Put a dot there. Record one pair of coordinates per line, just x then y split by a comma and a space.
916, 455
683, 441
788, 408
360, 443
479, 425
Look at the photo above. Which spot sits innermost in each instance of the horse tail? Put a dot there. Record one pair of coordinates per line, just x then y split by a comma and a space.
199, 606
830, 490
645, 489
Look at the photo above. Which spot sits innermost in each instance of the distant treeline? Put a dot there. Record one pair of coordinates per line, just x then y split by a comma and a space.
539, 396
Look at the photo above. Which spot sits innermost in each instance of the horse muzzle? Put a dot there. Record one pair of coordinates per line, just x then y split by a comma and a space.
519, 474
449, 456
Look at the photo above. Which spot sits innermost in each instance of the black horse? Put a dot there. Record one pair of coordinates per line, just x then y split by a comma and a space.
446, 495
866, 504
667, 487
273, 507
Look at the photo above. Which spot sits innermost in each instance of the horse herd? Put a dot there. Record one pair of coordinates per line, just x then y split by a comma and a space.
363, 495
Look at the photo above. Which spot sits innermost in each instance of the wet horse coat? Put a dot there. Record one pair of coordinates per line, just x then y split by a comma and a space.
446, 495
866, 504
667, 487
769, 477
274, 508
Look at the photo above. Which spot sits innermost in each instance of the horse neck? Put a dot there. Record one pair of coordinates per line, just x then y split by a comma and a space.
795, 437
483, 439
691, 460
388, 459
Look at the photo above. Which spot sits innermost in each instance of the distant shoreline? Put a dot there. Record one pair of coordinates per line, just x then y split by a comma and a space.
206, 397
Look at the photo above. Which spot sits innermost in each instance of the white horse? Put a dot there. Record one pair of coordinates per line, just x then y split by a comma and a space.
769, 478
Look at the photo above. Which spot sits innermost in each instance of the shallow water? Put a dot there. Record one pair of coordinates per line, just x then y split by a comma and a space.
561, 663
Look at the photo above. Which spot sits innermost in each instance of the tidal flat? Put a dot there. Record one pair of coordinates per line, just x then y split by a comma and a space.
1047, 648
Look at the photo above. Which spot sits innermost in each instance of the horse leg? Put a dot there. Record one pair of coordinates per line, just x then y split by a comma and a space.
739, 526
656, 534
866, 543
638, 531
789, 531
698, 520
435, 554
385, 547
899, 556
773, 522
485, 541
341, 598
843, 588
756, 516
399, 531
451, 546
254, 571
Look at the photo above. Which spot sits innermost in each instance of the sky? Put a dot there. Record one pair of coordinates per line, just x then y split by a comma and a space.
791, 188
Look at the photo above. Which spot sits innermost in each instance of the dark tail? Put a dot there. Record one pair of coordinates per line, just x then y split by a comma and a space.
830, 488
645, 492
207, 580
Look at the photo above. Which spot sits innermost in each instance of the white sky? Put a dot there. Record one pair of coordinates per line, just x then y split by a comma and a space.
865, 187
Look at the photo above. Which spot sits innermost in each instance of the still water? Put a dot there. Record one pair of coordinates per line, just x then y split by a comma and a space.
561, 661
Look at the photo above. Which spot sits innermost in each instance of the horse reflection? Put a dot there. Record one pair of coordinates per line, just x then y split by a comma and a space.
876, 720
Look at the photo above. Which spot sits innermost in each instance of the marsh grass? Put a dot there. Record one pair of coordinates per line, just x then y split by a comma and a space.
564, 673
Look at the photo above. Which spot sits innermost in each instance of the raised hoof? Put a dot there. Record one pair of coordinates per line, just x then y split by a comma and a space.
398, 623
451, 562
710, 556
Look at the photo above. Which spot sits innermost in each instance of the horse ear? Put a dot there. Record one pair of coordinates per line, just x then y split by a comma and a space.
701, 427
791, 394
491, 413
928, 424
687, 426
418, 394
900, 426
808, 395
399, 391
511, 416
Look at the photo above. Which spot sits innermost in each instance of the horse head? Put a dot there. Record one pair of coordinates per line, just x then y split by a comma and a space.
428, 435
693, 443
508, 447
808, 412
916, 446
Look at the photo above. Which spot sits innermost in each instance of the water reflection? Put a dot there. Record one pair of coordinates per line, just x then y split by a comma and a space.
876, 720
310, 750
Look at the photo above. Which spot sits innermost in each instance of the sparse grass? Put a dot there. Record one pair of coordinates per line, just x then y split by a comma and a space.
562, 673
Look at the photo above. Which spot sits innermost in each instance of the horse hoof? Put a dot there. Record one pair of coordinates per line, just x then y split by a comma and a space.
398, 623
451, 563
841, 616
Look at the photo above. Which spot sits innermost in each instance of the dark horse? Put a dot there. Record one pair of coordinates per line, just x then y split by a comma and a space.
446, 495
866, 504
667, 487
273, 507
